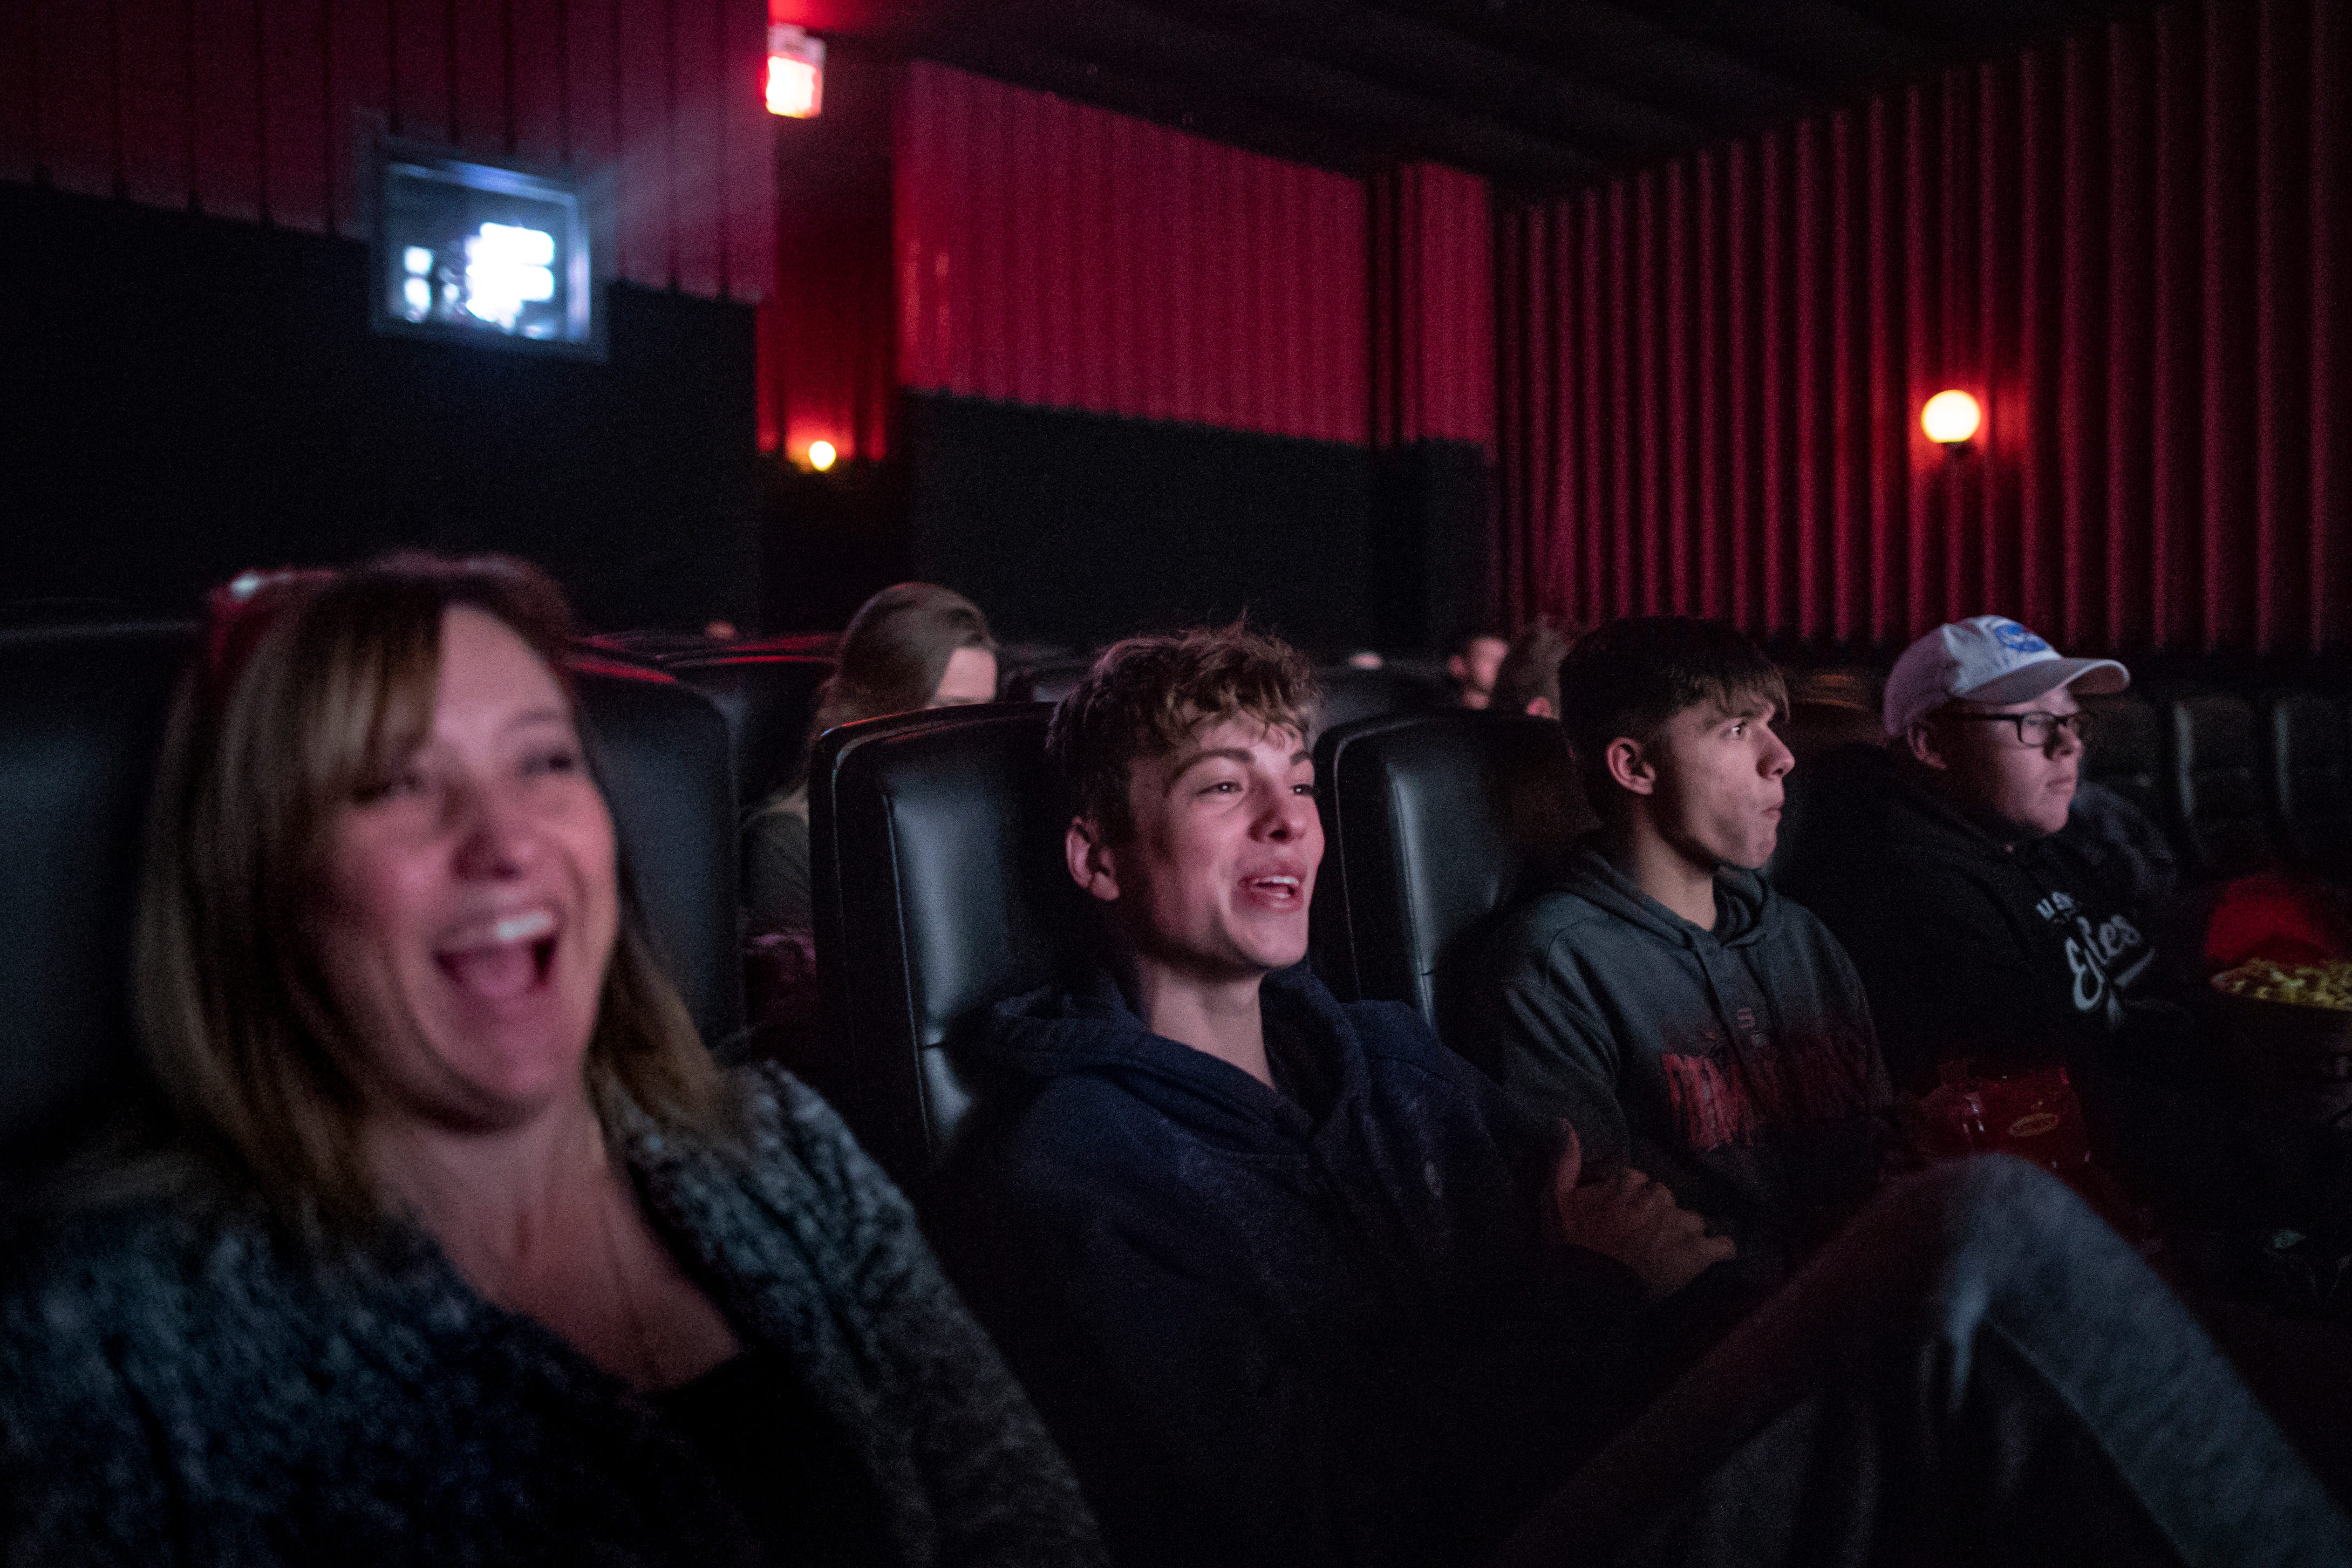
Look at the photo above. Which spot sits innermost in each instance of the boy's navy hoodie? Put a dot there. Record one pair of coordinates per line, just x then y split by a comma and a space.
1737, 1065
1322, 1324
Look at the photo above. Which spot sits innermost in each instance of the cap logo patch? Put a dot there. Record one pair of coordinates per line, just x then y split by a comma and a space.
2017, 639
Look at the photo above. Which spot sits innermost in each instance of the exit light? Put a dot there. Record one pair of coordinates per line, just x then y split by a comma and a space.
795, 72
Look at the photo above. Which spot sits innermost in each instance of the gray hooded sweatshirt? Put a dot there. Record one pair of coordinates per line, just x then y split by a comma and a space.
1737, 1065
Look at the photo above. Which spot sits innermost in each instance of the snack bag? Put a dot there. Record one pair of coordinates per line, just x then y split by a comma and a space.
2030, 1113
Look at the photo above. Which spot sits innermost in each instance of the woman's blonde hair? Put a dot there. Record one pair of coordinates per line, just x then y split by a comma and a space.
311, 686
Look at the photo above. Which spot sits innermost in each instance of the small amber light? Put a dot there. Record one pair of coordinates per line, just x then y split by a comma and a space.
1951, 418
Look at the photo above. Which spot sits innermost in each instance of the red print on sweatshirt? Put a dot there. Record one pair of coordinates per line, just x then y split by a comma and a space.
1726, 1096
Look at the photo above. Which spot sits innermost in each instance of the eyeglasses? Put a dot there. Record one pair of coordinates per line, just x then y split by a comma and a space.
2034, 729
239, 611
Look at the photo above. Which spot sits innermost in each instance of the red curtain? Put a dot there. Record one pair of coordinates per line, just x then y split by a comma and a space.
827, 334
2129, 246
247, 109
1058, 255
825, 371
1432, 307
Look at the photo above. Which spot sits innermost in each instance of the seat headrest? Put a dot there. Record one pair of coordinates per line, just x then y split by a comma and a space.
2215, 761
2311, 778
1351, 695
82, 719
1431, 823
660, 752
1046, 680
2121, 735
940, 888
767, 700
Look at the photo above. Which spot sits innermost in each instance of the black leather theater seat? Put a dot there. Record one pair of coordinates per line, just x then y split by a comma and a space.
2124, 749
940, 888
1351, 695
1431, 825
2217, 766
81, 714
1043, 681
82, 719
766, 700
660, 752
2311, 775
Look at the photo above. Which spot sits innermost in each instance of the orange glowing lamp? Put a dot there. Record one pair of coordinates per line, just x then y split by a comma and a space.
795, 72
1951, 419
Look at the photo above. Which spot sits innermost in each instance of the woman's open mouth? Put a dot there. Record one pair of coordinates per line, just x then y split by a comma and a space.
502, 958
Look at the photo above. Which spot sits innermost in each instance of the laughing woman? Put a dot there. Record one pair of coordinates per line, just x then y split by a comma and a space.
460, 1249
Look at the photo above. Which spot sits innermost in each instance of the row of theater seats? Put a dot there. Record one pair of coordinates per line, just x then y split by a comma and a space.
942, 890
686, 733
766, 692
940, 887
2237, 781
2242, 783
936, 857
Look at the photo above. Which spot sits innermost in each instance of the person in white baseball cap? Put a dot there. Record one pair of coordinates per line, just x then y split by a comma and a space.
1979, 928
1988, 709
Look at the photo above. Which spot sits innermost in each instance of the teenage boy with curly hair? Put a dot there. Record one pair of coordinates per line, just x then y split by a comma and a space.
1293, 1284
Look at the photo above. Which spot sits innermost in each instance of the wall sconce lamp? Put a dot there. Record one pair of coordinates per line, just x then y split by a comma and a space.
795, 72
1951, 420
821, 455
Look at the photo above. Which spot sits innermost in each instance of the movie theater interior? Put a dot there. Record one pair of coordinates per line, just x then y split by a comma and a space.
1352, 782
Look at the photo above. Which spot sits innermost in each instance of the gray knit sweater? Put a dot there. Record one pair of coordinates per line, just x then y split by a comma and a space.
177, 1385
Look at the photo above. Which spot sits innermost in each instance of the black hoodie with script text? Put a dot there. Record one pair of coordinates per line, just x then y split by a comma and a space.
1969, 946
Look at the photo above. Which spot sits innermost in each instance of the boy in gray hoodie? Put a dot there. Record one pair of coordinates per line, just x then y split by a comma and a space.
1657, 995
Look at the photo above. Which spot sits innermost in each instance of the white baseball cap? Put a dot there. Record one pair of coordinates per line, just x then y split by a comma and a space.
1987, 658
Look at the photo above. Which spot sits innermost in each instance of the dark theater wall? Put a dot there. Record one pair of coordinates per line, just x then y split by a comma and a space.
182, 184
1082, 528
2130, 245
263, 111
191, 396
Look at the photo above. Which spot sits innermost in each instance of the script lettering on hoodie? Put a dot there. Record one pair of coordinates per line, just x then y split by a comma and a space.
2104, 959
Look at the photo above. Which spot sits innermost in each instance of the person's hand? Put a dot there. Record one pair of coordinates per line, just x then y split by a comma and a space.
1634, 1220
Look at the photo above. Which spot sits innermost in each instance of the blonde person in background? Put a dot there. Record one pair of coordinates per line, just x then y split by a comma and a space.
911, 645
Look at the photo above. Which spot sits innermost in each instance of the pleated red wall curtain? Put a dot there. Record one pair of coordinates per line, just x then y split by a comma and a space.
2129, 246
1432, 307
250, 110
826, 370
1062, 255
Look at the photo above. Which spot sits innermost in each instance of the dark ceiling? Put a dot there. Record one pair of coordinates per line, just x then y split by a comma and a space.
1540, 95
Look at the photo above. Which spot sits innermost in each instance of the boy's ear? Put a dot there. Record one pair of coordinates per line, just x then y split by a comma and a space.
1540, 708
1920, 742
1630, 767
1093, 864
